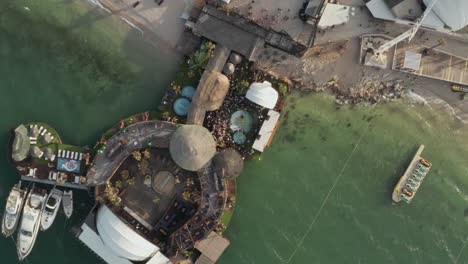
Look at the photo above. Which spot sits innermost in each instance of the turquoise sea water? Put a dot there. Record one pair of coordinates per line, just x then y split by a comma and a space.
69, 64
321, 194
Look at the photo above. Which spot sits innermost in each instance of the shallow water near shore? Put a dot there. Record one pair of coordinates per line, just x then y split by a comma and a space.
321, 194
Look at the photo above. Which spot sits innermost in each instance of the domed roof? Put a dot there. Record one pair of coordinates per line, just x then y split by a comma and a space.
120, 238
263, 94
229, 163
192, 147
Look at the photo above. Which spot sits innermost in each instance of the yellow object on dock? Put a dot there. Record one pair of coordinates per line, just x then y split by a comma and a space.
396, 195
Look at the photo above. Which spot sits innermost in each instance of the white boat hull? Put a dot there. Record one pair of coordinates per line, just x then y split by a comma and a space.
30, 222
67, 202
13, 210
50, 210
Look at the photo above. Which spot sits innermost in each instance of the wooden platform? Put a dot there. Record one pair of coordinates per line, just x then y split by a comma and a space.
402, 182
437, 64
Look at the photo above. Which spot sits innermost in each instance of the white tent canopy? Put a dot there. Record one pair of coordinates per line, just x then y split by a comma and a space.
262, 94
121, 239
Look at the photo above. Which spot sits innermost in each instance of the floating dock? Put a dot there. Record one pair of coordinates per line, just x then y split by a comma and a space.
396, 195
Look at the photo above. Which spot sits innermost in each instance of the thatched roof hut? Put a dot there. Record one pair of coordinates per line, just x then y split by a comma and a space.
209, 96
46, 139
228, 163
192, 147
211, 91
21, 144
36, 152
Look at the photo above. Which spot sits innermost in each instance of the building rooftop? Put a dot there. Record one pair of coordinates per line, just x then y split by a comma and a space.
211, 247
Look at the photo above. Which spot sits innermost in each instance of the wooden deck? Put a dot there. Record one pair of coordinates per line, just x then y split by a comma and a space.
402, 182
438, 65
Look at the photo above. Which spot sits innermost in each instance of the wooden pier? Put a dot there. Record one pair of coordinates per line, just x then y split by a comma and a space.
402, 182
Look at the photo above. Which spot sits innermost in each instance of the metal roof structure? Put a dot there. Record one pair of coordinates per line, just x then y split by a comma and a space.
212, 247
454, 13
447, 15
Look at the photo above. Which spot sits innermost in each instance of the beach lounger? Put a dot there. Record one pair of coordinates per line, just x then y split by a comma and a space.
80, 157
40, 129
59, 152
43, 132
77, 155
53, 158
33, 142
67, 155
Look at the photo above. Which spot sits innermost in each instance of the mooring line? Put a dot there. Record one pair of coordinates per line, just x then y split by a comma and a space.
461, 251
328, 194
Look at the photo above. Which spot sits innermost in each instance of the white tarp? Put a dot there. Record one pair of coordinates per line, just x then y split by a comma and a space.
266, 131
121, 239
454, 13
263, 94
92, 240
334, 15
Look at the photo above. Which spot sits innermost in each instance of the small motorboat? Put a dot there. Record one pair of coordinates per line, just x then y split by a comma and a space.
406, 198
30, 222
407, 192
13, 209
411, 188
420, 173
51, 208
416, 177
413, 182
67, 202
422, 167
425, 163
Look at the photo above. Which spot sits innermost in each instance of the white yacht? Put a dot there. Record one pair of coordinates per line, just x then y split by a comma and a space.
13, 209
31, 221
67, 202
51, 208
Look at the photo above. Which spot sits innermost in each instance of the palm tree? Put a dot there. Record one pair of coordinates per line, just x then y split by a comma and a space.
199, 60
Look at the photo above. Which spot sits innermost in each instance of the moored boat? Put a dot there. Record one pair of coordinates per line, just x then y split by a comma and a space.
51, 208
67, 202
13, 209
410, 182
30, 222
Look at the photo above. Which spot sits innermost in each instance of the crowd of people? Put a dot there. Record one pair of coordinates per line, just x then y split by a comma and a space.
218, 122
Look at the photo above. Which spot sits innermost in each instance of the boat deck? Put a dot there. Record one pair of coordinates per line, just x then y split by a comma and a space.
402, 182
